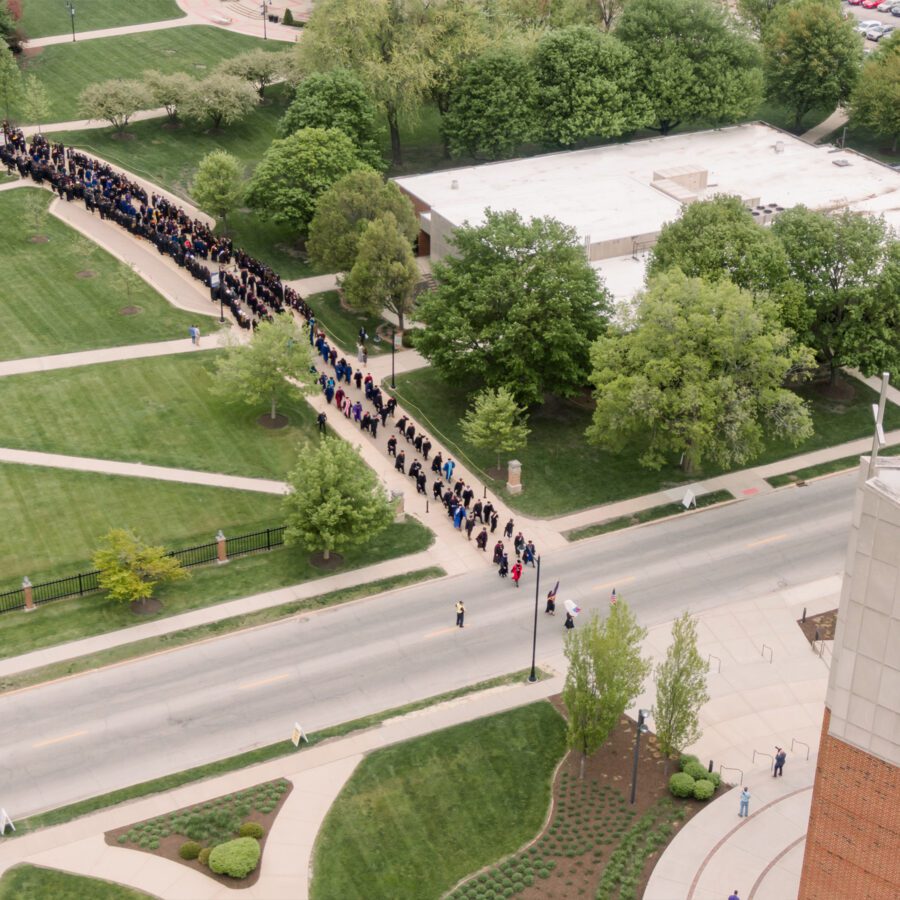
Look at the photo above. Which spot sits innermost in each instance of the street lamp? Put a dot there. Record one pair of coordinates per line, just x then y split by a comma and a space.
70, 6
537, 590
393, 347
262, 12
641, 729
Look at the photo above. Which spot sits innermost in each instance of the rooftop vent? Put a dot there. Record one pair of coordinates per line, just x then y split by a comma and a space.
454, 185
779, 146
843, 163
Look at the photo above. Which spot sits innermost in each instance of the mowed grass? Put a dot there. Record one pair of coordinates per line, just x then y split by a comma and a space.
415, 818
158, 411
47, 307
562, 473
67, 620
67, 69
343, 324
26, 882
45, 17
60, 515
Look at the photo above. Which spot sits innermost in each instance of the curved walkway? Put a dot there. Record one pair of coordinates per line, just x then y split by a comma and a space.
187, 19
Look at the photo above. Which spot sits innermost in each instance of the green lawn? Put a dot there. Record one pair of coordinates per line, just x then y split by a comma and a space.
415, 818
553, 485
159, 410
46, 308
25, 882
343, 325
67, 69
60, 516
67, 620
44, 17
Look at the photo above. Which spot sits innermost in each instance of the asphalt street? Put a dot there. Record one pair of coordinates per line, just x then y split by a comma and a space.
107, 729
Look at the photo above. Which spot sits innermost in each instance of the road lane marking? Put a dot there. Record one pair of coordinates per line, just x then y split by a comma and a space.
616, 583
440, 631
768, 540
58, 740
264, 682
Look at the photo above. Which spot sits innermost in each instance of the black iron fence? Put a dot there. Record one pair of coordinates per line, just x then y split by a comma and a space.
87, 582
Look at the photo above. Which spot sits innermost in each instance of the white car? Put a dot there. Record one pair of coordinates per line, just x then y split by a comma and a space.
887, 6
867, 25
880, 31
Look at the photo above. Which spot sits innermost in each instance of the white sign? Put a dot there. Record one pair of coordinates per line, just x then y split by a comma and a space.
689, 499
5, 822
298, 735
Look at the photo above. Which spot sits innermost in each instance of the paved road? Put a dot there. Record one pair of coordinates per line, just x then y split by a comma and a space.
107, 729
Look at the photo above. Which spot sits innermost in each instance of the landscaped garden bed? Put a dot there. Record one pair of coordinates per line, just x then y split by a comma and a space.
214, 835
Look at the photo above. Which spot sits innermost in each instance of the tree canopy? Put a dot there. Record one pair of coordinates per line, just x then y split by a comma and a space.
336, 500
130, 569
35, 101
295, 171
494, 421
875, 101
114, 101
218, 184
846, 267
700, 375
258, 66
10, 80
169, 89
517, 307
221, 99
812, 56
694, 61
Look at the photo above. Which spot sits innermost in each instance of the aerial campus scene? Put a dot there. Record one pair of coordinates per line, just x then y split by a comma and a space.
450, 449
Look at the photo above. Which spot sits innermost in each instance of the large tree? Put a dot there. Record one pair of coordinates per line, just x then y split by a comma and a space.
335, 99
10, 80
336, 500
169, 89
385, 273
606, 672
517, 306
756, 12
259, 67
35, 101
680, 689
219, 184
875, 101
812, 56
700, 374
695, 62
345, 210
114, 101
844, 265
718, 239
258, 371
220, 99
494, 421
588, 83
490, 107
295, 171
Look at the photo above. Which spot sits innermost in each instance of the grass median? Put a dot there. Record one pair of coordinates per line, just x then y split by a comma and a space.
26, 882
844, 464
42, 17
250, 758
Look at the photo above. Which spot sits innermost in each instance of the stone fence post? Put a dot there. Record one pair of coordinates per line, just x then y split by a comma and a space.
29, 599
222, 548
514, 477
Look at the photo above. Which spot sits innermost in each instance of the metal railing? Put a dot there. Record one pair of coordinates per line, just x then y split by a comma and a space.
767, 755
771, 652
798, 741
710, 657
722, 769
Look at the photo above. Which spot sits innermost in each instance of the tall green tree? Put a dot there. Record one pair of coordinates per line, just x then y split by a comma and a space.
844, 265
756, 12
295, 171
812, 56
718, 239
258, 371
385, 273
680, 689
695, 62
220, 99
606, 673
114, 101
259, 67
344, 212
490, 106
875, 101
700, 375
219, 184
10, 80
130, 569
494, 421
516, 306
588, 83
169, 89
336, 500
35, 101
10, 33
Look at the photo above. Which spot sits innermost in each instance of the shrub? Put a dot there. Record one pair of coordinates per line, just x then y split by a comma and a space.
686, 758
695, 770
251, 829
122, 838
714, 777
154, 844
189, 850
237, 858
703, 789
203, 856
681, 785
288, 18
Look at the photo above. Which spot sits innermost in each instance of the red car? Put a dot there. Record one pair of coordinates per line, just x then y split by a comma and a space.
870, 4
854, 2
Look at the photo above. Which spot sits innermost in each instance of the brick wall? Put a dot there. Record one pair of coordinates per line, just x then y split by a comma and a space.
853, 841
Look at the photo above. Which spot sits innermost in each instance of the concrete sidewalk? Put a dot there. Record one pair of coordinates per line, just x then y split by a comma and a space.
838, 118
111, 32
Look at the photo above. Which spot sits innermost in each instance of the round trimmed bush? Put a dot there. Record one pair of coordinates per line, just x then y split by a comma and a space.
681, 785
703, 789
189, 850
203, 856
122, 838
714, 777
686, 758
236, 859
695, 770
251, 829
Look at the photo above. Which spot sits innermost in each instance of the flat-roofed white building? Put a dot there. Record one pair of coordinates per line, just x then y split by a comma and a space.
619, 196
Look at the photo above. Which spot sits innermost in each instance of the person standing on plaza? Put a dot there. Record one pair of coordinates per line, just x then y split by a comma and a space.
745, 803
780, 758
460, 613
734, 896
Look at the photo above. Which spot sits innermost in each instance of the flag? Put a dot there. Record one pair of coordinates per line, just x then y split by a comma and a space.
572, 609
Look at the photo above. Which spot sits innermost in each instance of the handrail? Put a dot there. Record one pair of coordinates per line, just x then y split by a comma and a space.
798, 741
760, 753
711, 656
771, 652
732, 769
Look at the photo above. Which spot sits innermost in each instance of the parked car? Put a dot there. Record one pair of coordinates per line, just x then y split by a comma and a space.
876, 34
896, 11
869, 4
887, 6
867, 25
854, 2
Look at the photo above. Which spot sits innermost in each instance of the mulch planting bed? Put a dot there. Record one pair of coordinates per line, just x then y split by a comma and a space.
266, 421
596, 843
209, 824
826, 622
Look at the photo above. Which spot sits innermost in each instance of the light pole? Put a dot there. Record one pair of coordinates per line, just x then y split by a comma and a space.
262, 12
641, 728
537, 590
70, 6
393, 347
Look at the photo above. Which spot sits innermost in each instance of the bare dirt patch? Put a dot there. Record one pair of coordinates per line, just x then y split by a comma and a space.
130, 311
123, 136
333, 562
85, 273
266, 421
146, 607
39, 239
820, 627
